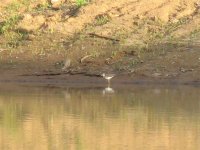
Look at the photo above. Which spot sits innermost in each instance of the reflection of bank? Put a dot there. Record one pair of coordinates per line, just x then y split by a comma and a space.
67, 95
108, 90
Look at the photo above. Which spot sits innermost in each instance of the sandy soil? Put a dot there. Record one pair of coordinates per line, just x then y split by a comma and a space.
140, 41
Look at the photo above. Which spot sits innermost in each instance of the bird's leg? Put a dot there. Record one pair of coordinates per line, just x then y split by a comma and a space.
108, 83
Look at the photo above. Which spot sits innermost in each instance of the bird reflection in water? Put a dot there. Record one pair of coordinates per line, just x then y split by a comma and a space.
108, 90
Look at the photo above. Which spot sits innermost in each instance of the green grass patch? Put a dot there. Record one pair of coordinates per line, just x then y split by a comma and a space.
14, 39
101, 19
9, 23
80, 3
7, 29
158, 31
42, 7
11, 15
195, 33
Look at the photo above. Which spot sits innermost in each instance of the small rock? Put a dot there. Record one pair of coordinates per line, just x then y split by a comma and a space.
131, 70
30, 37
156, 74
175, 20
183, 70
172, 62
167, 75
82, 47
197, 4
171, 75
56, 3
154, 18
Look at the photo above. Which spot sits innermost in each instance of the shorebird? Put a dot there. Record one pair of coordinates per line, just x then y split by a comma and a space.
108, 77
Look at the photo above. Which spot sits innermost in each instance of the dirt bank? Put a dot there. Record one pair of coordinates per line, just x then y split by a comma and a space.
137, 40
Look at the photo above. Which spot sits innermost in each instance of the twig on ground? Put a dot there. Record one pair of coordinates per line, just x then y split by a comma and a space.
85, 57
103, 37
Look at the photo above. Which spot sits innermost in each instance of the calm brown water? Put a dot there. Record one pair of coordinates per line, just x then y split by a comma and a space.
151, 118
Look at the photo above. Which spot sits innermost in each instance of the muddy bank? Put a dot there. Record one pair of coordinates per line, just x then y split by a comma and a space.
162, 64
65, 79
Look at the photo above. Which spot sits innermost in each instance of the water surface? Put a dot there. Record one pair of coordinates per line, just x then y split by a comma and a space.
134, 118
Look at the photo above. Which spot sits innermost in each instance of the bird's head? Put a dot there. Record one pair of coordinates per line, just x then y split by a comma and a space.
103, 74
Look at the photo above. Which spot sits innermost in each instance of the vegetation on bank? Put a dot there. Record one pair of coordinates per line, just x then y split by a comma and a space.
153, 30
80, 3
90, 36
13, 13
11, 16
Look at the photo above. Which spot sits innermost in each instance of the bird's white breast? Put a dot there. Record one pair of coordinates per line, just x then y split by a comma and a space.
108, 78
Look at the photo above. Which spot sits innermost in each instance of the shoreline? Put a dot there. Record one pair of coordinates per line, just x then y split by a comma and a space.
86, 81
